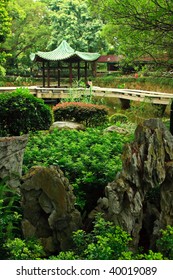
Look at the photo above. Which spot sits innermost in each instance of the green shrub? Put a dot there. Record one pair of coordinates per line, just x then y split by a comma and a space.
89, 114
21, 112
118, 118
10, 216
19, 249
105, 242
165, 243
65, 256
90, 159
150, 255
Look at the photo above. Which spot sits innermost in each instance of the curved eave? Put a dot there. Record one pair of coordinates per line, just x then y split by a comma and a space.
88, 56
48, 56
52, 57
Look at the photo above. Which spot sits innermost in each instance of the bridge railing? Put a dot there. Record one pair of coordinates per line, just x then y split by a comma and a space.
125, 94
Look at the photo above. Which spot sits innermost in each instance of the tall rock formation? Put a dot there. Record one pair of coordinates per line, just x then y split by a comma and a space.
48, 205
140, 199
11, 158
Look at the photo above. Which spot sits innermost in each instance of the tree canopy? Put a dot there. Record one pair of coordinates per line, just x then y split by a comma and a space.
42, 25
132, 28
72, 21
29, 31
5, 22
137, 27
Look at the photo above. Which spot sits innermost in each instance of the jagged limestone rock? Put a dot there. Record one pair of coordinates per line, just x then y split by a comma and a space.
140, 199
48, 206
11, 158
67, 125
114, 128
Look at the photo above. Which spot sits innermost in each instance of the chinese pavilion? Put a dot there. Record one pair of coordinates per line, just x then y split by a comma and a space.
64, 53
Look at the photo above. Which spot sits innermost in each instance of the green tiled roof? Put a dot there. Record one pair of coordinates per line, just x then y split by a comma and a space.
64, 51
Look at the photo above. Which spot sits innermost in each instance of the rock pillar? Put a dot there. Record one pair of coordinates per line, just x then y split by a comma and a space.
11, 158
48, 205
140, 199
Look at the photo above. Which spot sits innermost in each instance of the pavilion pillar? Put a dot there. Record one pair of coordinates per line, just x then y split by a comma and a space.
43, 65
59, 74
78, 70
171, 119
70, 73
94, 68
48, 74
86, 72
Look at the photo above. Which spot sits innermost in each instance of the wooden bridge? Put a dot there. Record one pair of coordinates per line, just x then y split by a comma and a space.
125, 95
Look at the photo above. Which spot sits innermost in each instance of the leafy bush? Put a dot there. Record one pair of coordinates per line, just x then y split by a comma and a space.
10, 216
144, 110
19, 249
89, 159
165, 243
105, 242
65, 256
89, 114
150, 256
21, 112
118, 118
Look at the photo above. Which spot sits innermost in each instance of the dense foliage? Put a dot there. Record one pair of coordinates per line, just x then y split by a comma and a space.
23, 249
138, 28
89, 114
105, 241
12, 245
130, 28
4, 20
72, 21
165, 243
5, 23
21, 112
109, 242
118, 117
90, 159
10, 216
29, 32
41, 26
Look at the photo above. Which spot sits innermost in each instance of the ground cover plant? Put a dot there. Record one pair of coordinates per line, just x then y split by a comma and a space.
10, 216
109, 242
90, 159
12, 244
105, 241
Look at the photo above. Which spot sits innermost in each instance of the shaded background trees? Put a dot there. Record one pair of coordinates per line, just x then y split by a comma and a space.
29, 31
42, 25
128, 27
138, 27
5, 23
72, 21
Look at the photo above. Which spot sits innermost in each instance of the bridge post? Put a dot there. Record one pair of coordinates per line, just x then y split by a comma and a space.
160, 109
125, 103
171, 118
